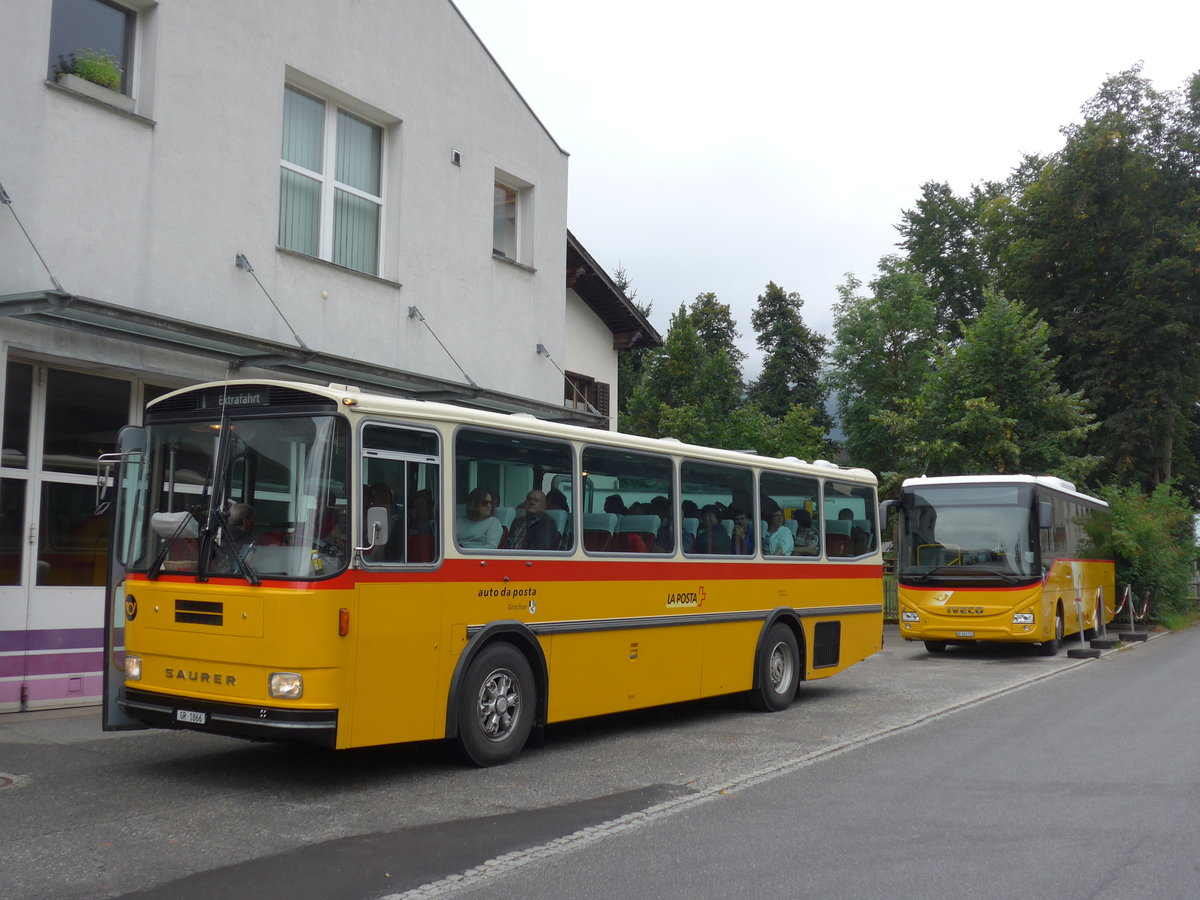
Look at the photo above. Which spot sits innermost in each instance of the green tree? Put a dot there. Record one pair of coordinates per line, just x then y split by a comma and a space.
1151, 539
798, 432
715, 325
792, 357
942, 241
992, 404
687, 390
883, 344
1103, 238
632, 362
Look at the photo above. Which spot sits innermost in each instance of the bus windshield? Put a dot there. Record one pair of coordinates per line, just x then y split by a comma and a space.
243, 497
966, 530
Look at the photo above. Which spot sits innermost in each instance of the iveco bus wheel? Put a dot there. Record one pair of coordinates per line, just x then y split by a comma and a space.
935, 646
496, 705
1051, 648
778, 671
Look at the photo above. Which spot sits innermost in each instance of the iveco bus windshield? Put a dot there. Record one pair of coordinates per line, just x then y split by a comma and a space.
967, 533
241, 496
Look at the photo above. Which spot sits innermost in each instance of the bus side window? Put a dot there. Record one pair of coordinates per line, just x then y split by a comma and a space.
400, 473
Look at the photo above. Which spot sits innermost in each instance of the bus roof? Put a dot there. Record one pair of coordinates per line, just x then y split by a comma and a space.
1049, 482
354, 400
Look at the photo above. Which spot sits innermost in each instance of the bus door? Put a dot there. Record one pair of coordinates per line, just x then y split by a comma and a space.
125, 498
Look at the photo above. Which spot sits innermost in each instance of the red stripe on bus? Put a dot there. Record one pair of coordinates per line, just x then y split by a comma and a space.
554, 570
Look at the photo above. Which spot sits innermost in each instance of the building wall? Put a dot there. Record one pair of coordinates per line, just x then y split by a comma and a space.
150, 210
589, 349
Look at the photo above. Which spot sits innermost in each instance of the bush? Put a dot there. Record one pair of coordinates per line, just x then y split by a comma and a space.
1153, 545
94, 66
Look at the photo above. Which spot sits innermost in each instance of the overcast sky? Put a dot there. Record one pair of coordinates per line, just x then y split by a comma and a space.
716, 147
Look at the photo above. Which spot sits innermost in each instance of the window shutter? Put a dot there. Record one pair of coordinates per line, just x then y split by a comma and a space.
600, 400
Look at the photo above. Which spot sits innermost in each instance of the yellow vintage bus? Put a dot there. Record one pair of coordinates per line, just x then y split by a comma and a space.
999, 558
330, 566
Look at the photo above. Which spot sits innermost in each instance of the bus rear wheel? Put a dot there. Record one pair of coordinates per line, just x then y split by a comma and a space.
496, 706
778, 671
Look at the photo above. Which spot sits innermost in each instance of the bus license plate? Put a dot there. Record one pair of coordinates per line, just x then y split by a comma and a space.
964, 634
191, 717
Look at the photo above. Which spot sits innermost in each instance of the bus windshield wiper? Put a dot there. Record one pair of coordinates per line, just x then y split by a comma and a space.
229, 547
966, 572
925, 576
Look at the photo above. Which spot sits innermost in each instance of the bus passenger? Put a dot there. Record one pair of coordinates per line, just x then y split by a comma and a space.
711, 536
478, 527
808, 539
535, 530
664, 539
614, 504
241, 524
777, 539
741, 539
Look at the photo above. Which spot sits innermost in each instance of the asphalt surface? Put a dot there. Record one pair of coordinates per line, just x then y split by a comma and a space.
180, 814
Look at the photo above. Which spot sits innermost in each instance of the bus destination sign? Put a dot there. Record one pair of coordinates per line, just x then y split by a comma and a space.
236, 398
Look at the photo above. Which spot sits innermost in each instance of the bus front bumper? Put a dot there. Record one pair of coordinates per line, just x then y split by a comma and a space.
263, 723
959, 630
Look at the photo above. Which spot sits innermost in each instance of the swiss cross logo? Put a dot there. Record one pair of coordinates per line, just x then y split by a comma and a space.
701, 593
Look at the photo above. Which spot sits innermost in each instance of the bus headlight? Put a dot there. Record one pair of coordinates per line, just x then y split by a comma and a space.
1025, 618
907, 616
287, 685
133, 668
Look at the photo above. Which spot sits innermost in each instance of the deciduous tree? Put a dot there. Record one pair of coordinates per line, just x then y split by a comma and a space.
1105, 242
992, 404
792, 357
883, 344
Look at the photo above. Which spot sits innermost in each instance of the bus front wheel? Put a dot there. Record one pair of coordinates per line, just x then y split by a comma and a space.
935, 646
496, 706
1051, 647
778, 671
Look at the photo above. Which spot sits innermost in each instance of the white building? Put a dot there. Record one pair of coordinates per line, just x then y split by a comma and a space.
283, 187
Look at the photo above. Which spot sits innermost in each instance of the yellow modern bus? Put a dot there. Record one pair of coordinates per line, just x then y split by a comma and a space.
345, 569
999, 558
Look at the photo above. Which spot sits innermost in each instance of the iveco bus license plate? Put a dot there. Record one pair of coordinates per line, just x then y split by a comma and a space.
187, 715
956, 634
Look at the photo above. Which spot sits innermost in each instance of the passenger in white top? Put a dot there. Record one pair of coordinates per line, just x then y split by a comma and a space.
777, 540
479, 528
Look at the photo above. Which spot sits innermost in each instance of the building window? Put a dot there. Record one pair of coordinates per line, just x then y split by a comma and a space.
511, 219
330, 198
586, 394
504, 222
103, 28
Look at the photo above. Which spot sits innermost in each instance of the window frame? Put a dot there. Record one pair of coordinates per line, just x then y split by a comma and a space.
733, 469
648, 458
522, 219
328, 184
407, 458
129, 42
507, 490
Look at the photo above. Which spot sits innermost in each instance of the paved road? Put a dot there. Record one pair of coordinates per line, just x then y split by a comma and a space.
187, 815
1084, 786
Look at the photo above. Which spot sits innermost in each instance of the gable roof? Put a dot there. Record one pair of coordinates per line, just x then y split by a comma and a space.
629, 327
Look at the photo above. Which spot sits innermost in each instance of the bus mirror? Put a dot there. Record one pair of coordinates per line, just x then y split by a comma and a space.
884, 508
131, 444
1045, 514
377, 529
